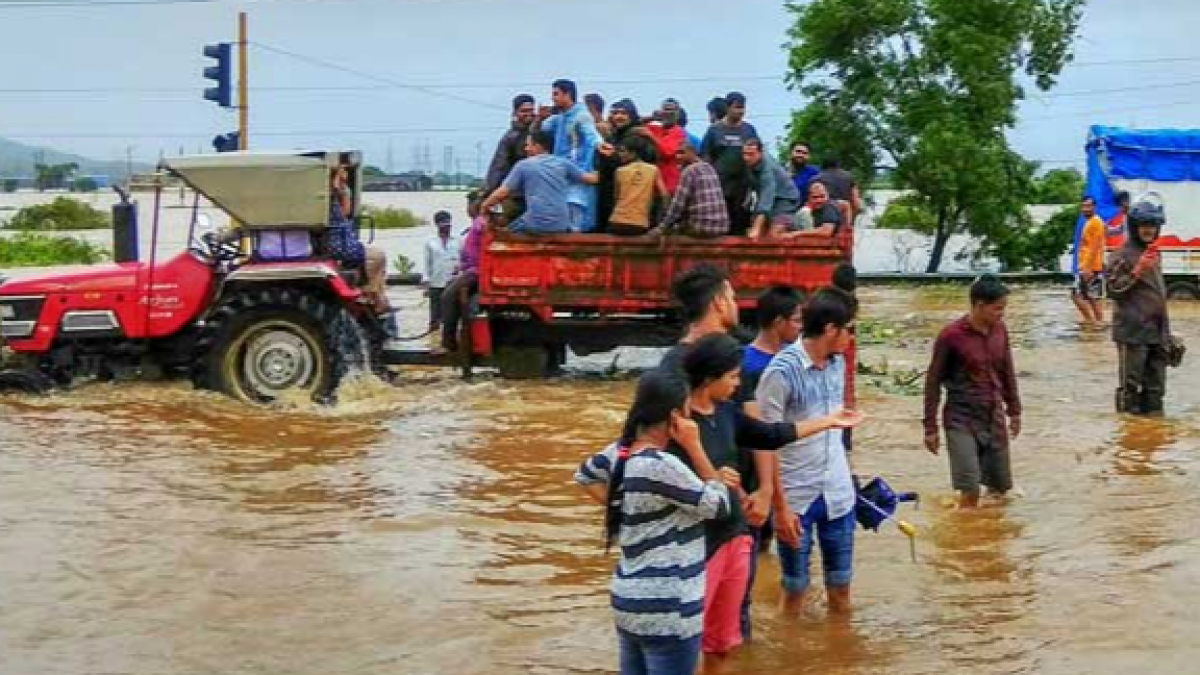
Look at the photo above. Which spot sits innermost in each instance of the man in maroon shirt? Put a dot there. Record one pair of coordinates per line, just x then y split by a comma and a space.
972, 359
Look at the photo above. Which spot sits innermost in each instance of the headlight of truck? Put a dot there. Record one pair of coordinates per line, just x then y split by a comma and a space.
7, 312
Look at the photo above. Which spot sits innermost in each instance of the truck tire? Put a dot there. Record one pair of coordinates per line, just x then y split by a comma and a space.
24, 381
522, 363
262, 344
1183, 290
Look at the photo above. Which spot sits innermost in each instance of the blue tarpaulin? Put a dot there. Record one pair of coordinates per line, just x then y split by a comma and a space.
1115, 153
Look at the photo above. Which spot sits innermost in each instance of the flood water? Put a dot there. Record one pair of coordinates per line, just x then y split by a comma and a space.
147, 529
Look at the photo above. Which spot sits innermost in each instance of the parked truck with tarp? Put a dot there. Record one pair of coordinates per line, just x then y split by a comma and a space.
1163, 164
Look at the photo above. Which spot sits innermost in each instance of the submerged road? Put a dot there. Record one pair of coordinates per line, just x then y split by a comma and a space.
148, 529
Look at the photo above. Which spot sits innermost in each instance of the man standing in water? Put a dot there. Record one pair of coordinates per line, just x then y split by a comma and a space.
973, 360
1088, 292
807, 381
1141, 325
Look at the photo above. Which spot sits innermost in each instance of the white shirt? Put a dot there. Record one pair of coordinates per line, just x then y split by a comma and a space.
441, 260
794, 389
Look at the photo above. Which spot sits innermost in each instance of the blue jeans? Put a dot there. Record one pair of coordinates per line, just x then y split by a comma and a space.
836, 538
657, 656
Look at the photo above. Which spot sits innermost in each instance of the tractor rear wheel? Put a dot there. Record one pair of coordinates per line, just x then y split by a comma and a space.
265, 344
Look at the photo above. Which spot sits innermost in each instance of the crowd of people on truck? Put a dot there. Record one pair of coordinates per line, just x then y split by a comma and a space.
574, 166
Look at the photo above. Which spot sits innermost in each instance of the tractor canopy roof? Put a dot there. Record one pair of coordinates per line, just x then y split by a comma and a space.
267, 190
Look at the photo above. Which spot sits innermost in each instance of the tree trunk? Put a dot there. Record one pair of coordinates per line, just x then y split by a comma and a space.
939, 245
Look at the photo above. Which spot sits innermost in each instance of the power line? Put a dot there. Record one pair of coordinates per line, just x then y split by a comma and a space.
386, 80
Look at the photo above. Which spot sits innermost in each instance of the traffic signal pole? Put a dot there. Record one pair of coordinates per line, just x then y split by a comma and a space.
243, 85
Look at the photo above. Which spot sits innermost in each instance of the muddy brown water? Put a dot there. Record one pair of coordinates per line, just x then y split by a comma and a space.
147, 529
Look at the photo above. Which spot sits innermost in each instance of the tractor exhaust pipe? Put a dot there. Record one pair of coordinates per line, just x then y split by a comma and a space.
125, 228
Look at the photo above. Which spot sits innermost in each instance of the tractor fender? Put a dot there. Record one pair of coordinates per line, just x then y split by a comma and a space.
304, 272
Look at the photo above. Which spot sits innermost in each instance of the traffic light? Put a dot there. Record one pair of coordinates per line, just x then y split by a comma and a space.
221, 73
230, 142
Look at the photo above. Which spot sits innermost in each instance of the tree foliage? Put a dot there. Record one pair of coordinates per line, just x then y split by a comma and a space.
1059, 186
1040, 247
932, 85
54, 176
61, 214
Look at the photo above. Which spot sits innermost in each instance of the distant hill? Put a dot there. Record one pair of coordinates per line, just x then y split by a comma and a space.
17, 159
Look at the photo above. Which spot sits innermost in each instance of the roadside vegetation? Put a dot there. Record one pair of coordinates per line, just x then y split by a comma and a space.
394, 219
62, 214
34, 249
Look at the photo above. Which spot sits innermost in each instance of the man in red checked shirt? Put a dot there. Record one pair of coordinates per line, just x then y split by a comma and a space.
972, 360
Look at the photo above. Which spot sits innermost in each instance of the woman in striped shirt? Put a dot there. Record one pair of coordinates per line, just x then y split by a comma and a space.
656, 510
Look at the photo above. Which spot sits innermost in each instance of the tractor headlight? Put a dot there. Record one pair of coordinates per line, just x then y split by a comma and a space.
7, 312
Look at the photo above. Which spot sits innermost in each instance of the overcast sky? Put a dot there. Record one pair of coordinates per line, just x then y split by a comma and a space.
138, 67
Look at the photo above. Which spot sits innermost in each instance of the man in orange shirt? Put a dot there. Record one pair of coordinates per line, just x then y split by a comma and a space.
1088, 292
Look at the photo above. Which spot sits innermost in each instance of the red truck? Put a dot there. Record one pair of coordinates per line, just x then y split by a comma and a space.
253, 326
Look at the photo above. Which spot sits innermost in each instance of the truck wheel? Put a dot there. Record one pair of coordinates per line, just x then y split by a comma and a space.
522, 363
1183, 290
263, 344
25, 381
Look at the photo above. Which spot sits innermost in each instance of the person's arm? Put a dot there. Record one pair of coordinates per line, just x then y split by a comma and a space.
682, 194
1012, 395
429, 255
708, 144
773, 394
500, 166
595, 472
498, 195
933, 391
1122, 276
672, 481
856, 201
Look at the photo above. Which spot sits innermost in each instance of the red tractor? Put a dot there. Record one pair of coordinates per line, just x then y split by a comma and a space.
240, 315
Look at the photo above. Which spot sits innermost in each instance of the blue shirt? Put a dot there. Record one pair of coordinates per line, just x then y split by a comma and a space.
794, 389
802, 178
543, 181
754, 362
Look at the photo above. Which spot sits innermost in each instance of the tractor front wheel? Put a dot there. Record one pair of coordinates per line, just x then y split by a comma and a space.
269, 344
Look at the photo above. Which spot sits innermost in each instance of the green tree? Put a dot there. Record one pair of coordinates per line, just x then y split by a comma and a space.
53, 176
1038, 247
1059, 186
84, 184
933, 85
10, 185
832, 133
370, 171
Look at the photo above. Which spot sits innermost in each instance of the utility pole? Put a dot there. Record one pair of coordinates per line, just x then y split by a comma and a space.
243, 85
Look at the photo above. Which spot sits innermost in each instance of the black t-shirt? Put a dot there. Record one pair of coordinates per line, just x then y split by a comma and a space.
727, 435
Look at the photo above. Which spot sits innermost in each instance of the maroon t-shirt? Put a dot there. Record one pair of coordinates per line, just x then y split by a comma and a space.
976, 369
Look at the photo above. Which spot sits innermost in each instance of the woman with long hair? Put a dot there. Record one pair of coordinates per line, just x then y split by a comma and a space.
656, 508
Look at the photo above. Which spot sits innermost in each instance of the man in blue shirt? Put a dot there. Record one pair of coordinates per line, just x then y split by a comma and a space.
544, 180
575, 139
807, 381
803, 173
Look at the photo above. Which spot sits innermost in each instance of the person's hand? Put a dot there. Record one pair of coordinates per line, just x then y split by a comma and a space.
1014, 426
606, 149
787, 527
731, 478
1148, 261
757, 508
1086, 276
931, 443
685, 432
846, 419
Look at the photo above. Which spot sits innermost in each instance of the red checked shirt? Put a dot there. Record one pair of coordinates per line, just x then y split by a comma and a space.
977, 372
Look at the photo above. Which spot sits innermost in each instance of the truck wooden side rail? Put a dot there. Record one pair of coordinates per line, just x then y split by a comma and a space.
595, 293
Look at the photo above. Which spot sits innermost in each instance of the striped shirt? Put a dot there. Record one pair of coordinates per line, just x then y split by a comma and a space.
794, 389
658, 586
699, 204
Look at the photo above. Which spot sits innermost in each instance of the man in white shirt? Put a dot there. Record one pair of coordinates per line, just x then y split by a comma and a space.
441, 263
815, 493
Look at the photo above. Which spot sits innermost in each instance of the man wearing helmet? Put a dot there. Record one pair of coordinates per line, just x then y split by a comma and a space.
1141, 327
